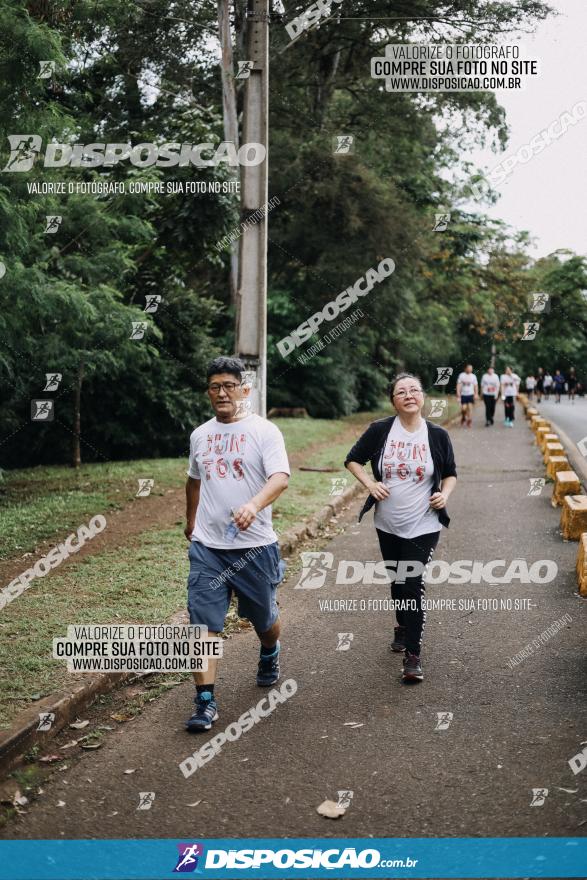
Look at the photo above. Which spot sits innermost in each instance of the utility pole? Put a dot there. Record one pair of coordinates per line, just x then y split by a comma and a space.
251, 319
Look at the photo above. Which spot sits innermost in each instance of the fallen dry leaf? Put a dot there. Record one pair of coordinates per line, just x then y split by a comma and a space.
20, 800
195, 804
331, 810
8, 791
49, 759
79, 725
128, 772
121, 717
60, 803
70, 744
90, 745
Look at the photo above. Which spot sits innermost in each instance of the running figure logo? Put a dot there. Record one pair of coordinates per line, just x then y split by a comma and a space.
538, 302
46, 719
343, 144
138, 329
187, 861
24, 149
437, 408
145, 487
52, 222
444, 374
52, 381
441, 222
315, 566
444, 719
42, 410
344, 799
539, 795
244, 69
531, 328
46, 69
338, 485
152, 301
146, 799
344, 641
536, 485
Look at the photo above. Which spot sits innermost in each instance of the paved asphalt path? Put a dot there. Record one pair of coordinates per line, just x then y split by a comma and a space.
513, 729
572, 417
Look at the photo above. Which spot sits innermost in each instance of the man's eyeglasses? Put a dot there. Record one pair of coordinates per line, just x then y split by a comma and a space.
229, 387
411, 392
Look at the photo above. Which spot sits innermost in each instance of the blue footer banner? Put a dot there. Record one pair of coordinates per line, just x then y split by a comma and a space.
297, 857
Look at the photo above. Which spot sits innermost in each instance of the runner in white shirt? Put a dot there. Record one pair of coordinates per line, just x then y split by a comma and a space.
237, 467
490, 392
547, 384
530, 386
467, 393
510, 385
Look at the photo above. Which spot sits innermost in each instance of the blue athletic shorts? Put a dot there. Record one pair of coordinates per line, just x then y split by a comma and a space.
467, 398
252, 573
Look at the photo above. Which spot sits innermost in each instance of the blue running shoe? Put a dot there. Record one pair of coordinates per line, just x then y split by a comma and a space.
205, 715
268, 669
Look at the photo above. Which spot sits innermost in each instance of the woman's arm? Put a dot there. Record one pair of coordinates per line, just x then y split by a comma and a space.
440, 499
379, 491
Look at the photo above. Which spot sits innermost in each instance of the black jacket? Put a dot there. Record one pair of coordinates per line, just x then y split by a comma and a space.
371, 444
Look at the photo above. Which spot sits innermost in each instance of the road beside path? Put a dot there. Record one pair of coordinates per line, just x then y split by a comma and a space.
513, 730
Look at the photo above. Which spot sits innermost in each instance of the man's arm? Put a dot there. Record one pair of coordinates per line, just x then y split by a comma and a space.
246, 513
192, 497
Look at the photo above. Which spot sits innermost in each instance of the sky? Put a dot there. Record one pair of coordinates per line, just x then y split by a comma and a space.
547, 195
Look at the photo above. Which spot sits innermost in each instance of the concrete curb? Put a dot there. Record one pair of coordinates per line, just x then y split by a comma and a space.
573, 455
66, 705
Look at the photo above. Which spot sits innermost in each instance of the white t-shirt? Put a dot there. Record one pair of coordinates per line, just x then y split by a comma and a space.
468, 384
490, 384
547, 381
233, 462
530, 383
406, 470
510, 384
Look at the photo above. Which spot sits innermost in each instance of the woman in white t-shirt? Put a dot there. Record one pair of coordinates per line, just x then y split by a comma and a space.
510, 385
490, 392
413, 475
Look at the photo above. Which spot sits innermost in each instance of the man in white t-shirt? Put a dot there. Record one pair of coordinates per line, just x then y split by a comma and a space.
510, 386
237, 467
467, 392
490, 392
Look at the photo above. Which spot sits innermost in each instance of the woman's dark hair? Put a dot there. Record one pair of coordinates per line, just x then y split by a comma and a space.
395, 379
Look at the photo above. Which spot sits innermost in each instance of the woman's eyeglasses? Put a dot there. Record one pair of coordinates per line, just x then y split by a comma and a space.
411, 392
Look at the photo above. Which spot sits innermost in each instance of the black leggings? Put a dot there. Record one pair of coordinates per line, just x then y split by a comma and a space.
489, 401
509, 405
419, 549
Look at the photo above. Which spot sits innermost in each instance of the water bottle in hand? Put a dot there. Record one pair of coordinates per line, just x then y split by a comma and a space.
232, 529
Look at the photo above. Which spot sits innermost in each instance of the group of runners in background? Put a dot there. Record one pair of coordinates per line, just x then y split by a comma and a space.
543, 384
508, 385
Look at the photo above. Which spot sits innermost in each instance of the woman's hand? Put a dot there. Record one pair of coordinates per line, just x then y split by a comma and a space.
379, 491
438, 500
